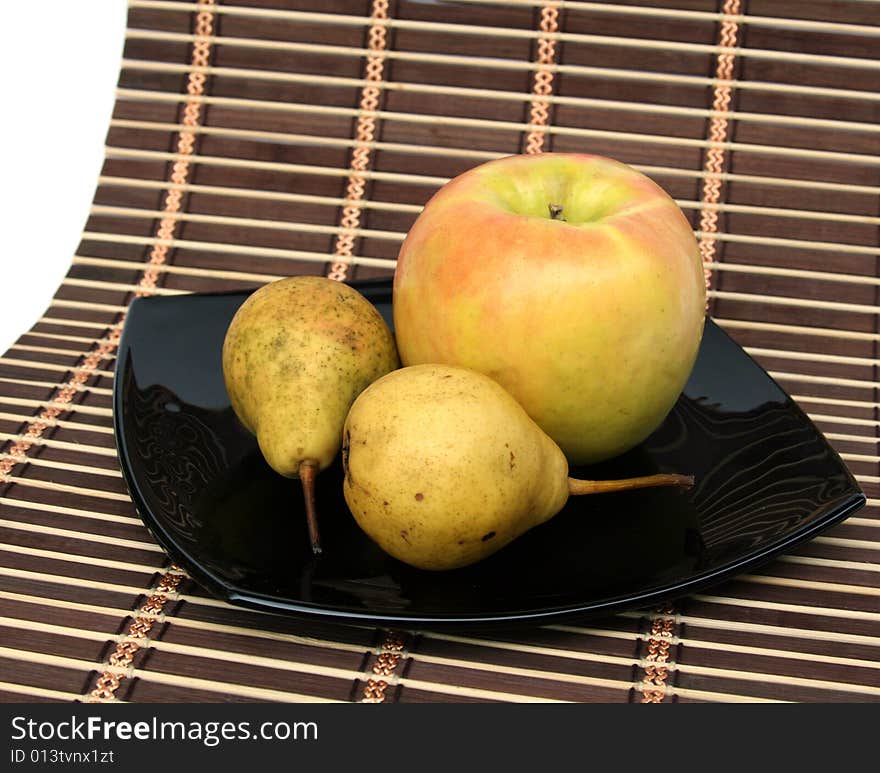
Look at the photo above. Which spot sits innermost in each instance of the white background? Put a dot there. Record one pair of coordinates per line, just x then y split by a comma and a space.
60, 63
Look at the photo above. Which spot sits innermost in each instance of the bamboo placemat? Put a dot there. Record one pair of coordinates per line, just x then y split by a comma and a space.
251, 142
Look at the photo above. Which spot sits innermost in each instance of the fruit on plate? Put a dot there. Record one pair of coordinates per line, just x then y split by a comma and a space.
296, 354
572, 280
443, 467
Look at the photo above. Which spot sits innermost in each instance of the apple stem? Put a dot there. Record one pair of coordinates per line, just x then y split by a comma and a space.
555, 211
307, 471
577, 487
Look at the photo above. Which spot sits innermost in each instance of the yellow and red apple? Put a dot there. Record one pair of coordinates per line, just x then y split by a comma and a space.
572, 280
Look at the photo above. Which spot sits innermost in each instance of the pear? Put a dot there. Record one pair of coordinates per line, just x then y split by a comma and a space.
295, 356
443, 467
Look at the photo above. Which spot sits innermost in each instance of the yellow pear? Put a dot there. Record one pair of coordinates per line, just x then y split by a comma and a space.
443, 467
295, 356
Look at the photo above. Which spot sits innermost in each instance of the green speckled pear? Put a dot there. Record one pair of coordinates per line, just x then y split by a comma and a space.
443, 467
296, 355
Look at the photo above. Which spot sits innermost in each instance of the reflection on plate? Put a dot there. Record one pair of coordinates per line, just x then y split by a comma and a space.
766, 480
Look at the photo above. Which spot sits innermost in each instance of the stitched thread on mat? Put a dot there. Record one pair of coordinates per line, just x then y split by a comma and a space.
719, 127
657, 667
539, 111
138, 637
180, 171
365, 134
388, 660
65, 395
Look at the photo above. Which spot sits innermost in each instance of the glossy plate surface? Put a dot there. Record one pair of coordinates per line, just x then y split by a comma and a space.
766, 481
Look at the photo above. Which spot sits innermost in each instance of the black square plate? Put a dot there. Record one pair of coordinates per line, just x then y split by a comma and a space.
766, 480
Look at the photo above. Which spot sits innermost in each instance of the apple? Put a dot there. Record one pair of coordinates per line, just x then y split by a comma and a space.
572, 280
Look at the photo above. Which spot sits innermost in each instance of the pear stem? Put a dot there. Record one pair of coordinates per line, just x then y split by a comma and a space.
307, 471
577, 487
